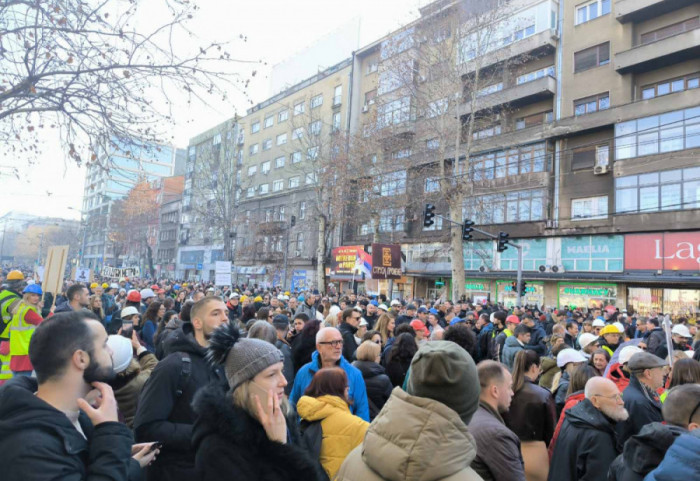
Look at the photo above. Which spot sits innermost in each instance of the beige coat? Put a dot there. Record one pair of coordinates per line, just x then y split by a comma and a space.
413, 439
136, 376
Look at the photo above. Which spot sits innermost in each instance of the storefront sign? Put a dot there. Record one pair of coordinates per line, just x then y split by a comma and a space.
534, 255
592, 253
476, 286
534, 293
666, 251
587, 295
343, 259
386, 261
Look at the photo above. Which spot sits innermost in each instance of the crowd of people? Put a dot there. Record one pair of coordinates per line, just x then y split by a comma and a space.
162, 380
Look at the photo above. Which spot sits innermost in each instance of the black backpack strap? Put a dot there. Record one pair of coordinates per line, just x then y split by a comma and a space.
184, 373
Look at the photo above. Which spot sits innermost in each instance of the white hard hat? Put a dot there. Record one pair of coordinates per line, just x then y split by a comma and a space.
627, 352
598, 323
586, 338
569, 355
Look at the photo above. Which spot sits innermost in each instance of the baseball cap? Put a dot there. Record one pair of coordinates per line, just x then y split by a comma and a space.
422, 310
681, 330
645, 360
627, 352
432, 310
411, 307
234, 295
382, 307
566, 356
598, 323
419, 325
586, 338
513, 319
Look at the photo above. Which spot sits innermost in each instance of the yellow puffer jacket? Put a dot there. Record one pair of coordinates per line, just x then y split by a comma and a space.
342, 431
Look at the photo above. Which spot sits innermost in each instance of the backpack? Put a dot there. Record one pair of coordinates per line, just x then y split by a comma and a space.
184, 374
311, 439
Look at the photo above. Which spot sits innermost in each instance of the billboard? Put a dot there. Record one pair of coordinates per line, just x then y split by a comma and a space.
386, 261
677, 251
343, 259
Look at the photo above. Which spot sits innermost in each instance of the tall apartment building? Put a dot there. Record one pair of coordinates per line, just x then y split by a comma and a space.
286, 143
583, 148
170, 201
212, 178
110, 179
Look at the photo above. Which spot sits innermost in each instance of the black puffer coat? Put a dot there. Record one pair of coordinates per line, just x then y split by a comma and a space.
586, 446
378, 385
230, 444
644, 408
644, 452
532, 415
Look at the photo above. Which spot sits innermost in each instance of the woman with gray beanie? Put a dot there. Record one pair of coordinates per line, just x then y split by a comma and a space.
244, 433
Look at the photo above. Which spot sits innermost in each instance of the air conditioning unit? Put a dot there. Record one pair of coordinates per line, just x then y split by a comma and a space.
543, 268
558, 269
601, 169
484, 269
365, 108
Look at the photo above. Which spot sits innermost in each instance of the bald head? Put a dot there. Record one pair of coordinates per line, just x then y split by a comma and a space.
598, 385
605, 397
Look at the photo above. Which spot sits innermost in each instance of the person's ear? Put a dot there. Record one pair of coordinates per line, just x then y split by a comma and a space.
693, 426
81, 359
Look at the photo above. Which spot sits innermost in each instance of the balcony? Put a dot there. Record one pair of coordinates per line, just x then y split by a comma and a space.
537, 45
650, 56
515, 96
640, 10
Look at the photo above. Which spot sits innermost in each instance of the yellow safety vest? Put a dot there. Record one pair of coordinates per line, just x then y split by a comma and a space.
5, 371
20, 331
7, 298
610, 351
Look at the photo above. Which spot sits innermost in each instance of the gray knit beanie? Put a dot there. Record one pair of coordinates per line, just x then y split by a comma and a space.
445, 372
242, 358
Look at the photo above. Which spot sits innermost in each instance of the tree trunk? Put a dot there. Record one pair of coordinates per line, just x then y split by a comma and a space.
149, 259
456, 246
320, 254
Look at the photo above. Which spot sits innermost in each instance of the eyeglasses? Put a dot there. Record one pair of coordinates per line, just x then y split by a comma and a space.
332, 343
616, 397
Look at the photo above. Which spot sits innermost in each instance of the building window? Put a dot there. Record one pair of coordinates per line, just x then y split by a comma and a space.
372, 66
269, 121
315, 128
656, 191
298, 133
393, 183
283, 115
299, 108
432, 184
589, 208
281, 139
302, 210
432, 144
671, 86
311, 178
592, 57
391, 220
253, 149
518, 206
592, 10
670, 30
280, 213
252, 170
487, 132
279, 162
264, 189
300, 242
336, 122
490, 89
337, 95
370, 96
507, 163
296, 157
312, 153
677, 130
254, 127
250, 192
316, 101
591, 104
267, 144
534, 119
268, 215
590, 156
437, 108
530, 76
394, 112
265, 167
294, 182
401, 154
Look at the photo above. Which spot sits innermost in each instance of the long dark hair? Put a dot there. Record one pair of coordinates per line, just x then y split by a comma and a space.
580, 377
248, 313
311, 328
524, 360
403, 349
162, 323
152, 312
685, 371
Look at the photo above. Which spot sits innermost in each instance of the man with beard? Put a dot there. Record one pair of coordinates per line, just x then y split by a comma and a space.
371, 315
164, 411
64, 424
78, 298
587, 444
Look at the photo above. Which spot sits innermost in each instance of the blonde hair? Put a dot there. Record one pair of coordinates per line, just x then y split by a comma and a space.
331, 321
243, 399
383, 327
91, 304
368, 351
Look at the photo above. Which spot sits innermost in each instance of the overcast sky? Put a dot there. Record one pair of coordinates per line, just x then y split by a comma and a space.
276, 30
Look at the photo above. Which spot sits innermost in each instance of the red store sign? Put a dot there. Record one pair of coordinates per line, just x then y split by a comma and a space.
670, 251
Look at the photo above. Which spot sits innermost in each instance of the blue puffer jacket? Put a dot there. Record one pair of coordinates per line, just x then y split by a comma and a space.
357, 392
681, 460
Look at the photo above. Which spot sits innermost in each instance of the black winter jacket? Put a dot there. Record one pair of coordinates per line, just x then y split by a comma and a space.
349, 343
532, 415
378, 385
230, 444
537, 343
302, 349
586, 445
288, 364
38, 442
644, 408
164, 416
654, 339
560, 392
644, 452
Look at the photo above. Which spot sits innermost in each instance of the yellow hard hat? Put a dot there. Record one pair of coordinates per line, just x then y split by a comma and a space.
610, 329
286, 293
184, 284
105, 285
244, 298
15, 276
257, 299
93, 285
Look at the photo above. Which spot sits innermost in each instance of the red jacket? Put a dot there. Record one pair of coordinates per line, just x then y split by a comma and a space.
618, 376
571, 401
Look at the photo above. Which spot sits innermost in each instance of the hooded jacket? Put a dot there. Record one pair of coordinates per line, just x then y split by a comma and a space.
571, 400
654, 339
560, 392
681, 461
549, 368
165, 416
617, 375
231, 445
356, 392
342, 431
644, 407
377, 383
38, 442
498, 448
166, 336
644, 452
510, 349
288, 364
413, 439
586, 446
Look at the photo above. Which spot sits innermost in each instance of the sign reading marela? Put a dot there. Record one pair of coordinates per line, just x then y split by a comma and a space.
386, 261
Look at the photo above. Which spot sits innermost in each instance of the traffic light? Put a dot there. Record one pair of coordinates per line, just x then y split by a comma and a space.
502, 241
428, 215
467, 229
523, 288
292, 221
